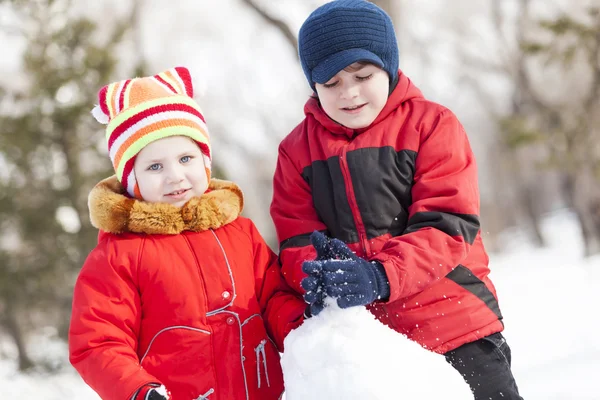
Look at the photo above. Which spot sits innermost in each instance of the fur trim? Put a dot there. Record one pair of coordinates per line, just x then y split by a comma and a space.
112, 211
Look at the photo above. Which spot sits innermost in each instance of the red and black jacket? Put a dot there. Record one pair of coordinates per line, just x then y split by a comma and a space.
404, 192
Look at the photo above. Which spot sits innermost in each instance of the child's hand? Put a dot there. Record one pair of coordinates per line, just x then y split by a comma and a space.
321, 243
321, 283
355, 282
313, 285
314, 295
331, 249
154, 395
149, 392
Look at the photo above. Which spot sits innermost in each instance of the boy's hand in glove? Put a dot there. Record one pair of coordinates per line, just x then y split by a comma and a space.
347, 277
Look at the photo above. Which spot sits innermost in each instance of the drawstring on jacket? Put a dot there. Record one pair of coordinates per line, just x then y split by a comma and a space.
205, 395
260, 350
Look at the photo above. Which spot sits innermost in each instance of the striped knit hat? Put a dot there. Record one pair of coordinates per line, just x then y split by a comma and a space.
142, 110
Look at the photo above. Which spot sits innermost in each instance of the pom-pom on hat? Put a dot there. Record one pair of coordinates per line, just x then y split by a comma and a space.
140, 111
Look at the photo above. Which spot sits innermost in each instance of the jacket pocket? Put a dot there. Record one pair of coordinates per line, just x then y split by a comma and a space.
181, 358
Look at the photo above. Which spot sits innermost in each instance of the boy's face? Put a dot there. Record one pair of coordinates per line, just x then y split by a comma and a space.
170, 170
355, 96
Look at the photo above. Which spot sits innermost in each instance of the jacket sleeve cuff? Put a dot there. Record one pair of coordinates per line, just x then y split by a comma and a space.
383, 283
147, 392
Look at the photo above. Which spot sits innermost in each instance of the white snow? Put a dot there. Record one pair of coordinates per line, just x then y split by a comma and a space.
549, 298
348, 354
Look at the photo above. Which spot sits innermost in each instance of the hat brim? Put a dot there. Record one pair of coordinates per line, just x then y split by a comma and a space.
340, 60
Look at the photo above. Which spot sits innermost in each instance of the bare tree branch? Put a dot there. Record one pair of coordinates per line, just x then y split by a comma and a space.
276, 22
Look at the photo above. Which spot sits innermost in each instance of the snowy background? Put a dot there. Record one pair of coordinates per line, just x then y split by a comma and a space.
550, 303
252, 90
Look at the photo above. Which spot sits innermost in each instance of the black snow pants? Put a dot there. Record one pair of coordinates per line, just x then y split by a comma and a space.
485, 365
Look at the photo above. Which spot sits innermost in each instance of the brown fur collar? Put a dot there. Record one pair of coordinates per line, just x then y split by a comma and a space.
112, 211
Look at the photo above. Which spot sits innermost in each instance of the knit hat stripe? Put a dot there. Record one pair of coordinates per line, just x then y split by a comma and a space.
136, 192
126, 94
102, 100
155, 126
110, 92
165, 84
129, 181
126, 130
184, 75
115, 97
141, 142
122, 92
114, 131
169, 103
205, 148
175, 74
118, 96
168, 77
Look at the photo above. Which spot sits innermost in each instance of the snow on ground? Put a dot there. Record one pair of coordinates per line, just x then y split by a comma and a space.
549, 298
550, 301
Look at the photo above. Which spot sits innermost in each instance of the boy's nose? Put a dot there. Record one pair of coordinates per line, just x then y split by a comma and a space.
349, 92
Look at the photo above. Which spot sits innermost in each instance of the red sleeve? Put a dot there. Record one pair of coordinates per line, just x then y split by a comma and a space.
443, 218
105, 322
282, 308
295, 218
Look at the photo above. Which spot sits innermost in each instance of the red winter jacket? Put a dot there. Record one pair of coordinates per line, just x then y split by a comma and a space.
189, 298
402, 191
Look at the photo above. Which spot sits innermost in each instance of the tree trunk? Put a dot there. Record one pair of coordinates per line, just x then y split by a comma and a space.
523, 178
14, 330
529, 200
588, 220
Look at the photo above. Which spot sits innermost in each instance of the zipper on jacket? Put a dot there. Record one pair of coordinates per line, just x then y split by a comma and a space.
260, 351
360, 227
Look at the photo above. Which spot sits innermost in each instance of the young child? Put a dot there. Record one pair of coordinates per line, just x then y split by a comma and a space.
181, 297
392, 176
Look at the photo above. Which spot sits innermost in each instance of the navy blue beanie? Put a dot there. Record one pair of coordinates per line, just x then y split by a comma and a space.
342, 32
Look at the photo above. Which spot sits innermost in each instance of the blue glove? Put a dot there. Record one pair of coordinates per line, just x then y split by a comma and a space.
315, 295
322, 245
349, 278
352, 282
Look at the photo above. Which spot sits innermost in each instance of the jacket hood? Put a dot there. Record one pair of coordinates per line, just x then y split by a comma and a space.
405, 90
111, 210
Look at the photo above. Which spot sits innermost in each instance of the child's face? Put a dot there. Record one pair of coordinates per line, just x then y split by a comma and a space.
355, 96
170, 170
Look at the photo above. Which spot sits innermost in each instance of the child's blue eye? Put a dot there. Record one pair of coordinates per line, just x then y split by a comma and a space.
364, 78
185, 159
154, 167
